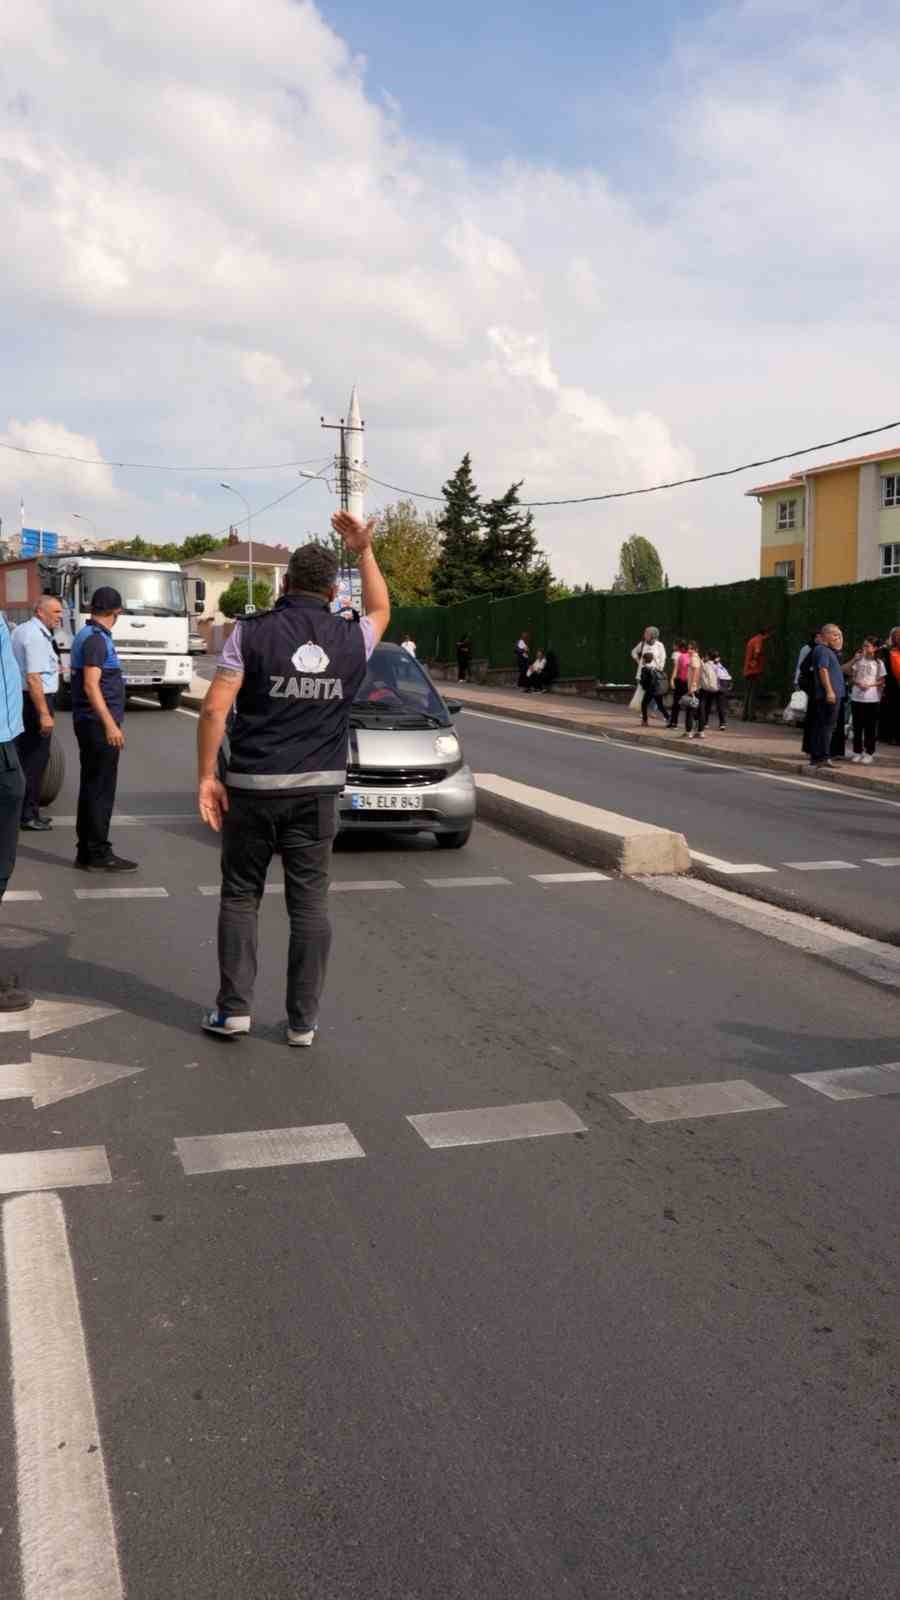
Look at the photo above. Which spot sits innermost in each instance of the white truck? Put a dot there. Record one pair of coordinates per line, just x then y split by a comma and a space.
152, 636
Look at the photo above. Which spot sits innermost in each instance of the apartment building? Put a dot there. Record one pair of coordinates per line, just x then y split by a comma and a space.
837, 523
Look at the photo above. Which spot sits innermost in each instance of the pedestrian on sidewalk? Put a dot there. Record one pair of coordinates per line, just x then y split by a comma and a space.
867, 675
723, 691
37, 658
651, 641
653, 683
408, 644
12, 793
828, 678
523, 658
693, 703
98, 711
292, 674
889, 717
535, 675
463, 658
709, 689
754, 666
679, 680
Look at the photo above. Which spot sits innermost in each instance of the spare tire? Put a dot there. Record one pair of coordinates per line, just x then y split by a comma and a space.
55, 773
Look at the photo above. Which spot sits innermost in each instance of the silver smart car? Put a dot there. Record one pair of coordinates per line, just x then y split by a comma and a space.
406, 771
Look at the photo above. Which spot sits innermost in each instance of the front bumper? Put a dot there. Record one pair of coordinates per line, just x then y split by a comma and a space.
447, 807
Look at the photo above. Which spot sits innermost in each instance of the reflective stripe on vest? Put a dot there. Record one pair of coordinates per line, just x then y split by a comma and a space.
287, 780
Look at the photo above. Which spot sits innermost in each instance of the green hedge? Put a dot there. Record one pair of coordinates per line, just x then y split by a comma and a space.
575, 633
625, 618
857, 608
724, 616
472, 617
517, 614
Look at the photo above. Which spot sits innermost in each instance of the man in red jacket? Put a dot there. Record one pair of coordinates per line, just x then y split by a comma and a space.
754, 664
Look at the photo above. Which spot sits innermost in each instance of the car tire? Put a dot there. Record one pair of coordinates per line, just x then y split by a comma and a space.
170, 697
453, 841
54, 773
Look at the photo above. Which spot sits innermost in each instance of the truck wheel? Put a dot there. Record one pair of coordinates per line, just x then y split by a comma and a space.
170, 698
55, 773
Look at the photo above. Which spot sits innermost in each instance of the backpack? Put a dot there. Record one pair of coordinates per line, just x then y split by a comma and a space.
709, 678
806, 677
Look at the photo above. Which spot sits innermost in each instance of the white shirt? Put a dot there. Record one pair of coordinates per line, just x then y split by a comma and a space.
409, 645
658, 651
866, 676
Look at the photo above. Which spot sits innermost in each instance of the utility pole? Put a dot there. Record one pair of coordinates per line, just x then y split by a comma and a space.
349, 463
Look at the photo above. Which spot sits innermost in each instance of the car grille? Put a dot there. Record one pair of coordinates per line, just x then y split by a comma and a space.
396, 777
143, 667
146, 644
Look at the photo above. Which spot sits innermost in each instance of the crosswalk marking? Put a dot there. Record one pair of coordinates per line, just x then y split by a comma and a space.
363, 885
882, 861
696, 1100
853, 1083
823, 866
496, 1124
465, 883
54, 1169
735, 867
21, 894
121, 894
571, 877
267, 1147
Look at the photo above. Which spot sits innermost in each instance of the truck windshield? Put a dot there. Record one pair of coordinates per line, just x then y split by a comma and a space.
144, 593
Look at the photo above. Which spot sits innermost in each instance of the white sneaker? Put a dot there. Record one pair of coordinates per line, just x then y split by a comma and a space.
867, 761
855, 760
225, 1027
300, 1040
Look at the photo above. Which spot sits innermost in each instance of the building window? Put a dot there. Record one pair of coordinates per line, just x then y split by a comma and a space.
890, 489
787, 569
890, 560
787, 514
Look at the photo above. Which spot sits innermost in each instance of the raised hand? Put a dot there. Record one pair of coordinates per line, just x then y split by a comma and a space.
356, 534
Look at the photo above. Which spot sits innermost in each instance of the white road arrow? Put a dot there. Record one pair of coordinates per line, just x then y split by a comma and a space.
46, 1079
52, 1016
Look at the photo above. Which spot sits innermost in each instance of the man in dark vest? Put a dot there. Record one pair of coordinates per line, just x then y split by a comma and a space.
291, 674
98, 710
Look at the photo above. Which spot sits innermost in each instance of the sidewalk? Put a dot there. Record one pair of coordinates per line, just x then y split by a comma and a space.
751, 744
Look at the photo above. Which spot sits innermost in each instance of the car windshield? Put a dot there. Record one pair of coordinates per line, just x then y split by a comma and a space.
145, 593
395, 688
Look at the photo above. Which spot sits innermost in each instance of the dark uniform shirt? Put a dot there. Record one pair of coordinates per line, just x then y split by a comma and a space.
93, 647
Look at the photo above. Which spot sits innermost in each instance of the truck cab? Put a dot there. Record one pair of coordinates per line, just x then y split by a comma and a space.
152, 634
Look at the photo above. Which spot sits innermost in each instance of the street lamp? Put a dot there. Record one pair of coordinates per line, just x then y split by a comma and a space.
80, 517
249, 607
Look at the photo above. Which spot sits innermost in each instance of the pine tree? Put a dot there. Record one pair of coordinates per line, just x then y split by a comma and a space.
510, 559
457, 571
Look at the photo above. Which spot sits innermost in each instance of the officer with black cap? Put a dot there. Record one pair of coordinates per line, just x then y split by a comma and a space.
293, 673
98, 708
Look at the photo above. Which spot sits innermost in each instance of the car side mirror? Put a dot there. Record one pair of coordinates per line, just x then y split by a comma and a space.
454, 707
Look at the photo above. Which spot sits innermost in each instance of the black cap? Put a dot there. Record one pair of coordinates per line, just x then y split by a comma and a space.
105, 600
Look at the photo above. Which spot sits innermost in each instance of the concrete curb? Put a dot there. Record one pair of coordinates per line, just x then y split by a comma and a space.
585, 833
702, 752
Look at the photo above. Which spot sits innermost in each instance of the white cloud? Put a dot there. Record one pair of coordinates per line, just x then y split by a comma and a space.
218, 230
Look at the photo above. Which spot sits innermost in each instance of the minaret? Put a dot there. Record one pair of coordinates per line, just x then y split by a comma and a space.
356, 462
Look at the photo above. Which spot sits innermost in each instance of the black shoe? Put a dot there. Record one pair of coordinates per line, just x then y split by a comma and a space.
36, 825
12, 998
108, 864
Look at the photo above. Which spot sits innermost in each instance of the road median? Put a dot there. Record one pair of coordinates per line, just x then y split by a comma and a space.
584, 833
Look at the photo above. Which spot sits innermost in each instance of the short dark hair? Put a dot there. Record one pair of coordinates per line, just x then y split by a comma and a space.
312, 568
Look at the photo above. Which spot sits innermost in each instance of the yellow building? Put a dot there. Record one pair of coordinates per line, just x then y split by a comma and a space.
838, 523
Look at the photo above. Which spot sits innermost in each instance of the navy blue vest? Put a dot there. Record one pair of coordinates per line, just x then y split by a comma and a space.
303, 667
112, 683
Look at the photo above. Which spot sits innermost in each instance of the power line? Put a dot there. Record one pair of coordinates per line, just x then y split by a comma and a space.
272, 503
151, 466
654, 488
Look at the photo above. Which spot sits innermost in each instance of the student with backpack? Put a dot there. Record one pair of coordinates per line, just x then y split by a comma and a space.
709, 689
867, 676
653, 683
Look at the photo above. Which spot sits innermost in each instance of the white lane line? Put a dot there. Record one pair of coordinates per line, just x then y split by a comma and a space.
216, 888
184, 712
835, 790
464, 883
21, 894
496, 1124
822, 866
269, 1147
571, 877
67, 1538
147, 820
851, 952
121, 894
54, 1169
880, 861
733, 867
140, 701
853, 1083
696, 1100
364, 884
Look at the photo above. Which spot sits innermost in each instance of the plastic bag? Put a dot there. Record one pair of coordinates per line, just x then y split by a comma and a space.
795, 710
636, 700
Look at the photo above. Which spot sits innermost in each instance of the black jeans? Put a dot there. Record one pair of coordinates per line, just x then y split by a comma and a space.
12, 789
651, 698
824, 722
715, 700
303, 828
34, 753
96, 793
462, 667
865, 726
678, 694
752, 685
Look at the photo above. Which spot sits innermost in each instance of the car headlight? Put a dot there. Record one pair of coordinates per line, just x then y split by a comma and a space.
447, 745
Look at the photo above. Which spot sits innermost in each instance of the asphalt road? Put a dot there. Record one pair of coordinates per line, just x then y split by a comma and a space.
637, 1360
736, 815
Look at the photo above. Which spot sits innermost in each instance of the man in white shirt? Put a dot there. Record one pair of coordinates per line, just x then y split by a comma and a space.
38, 664
409, 645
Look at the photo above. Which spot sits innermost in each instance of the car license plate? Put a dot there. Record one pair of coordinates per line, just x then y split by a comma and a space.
367, 801
131, 681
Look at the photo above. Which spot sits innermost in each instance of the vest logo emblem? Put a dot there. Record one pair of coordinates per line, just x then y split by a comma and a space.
310, 657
